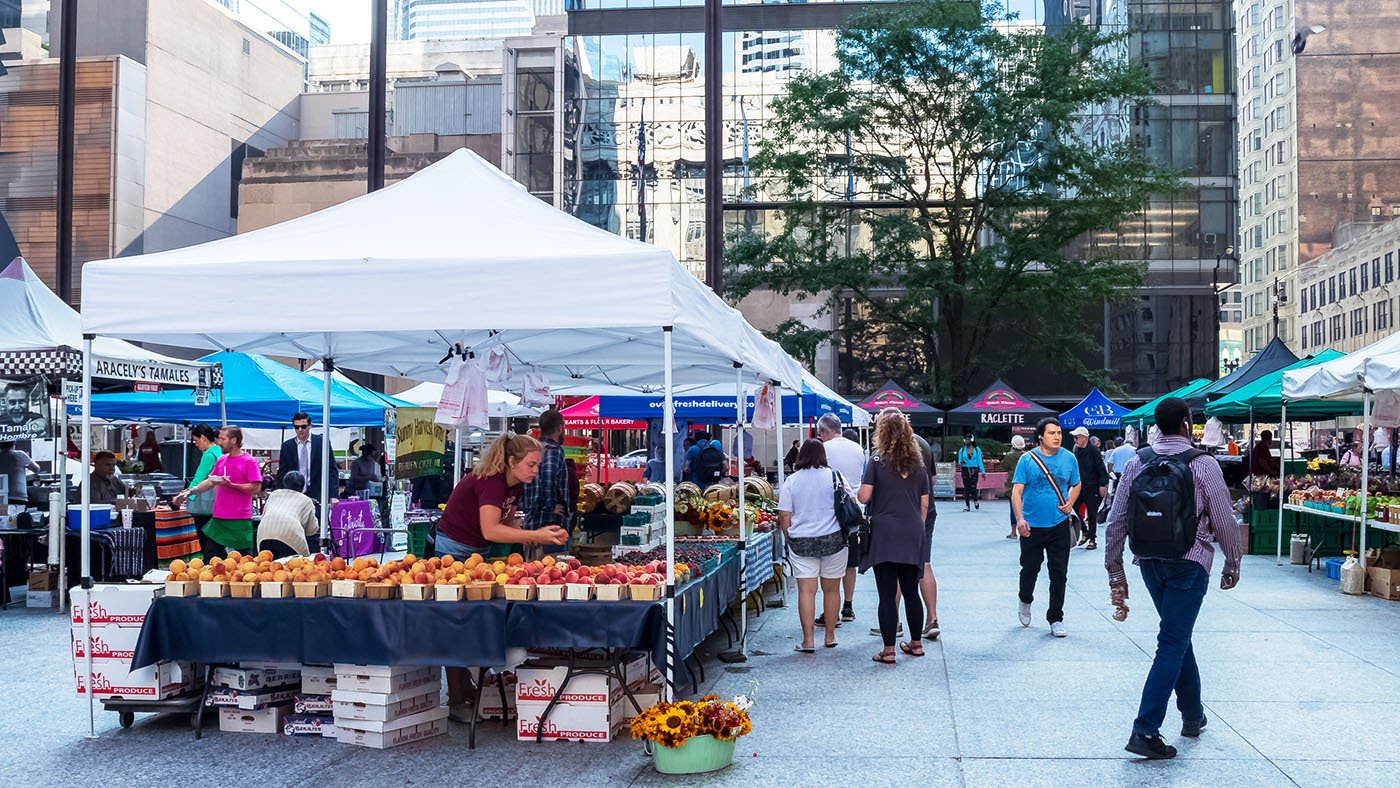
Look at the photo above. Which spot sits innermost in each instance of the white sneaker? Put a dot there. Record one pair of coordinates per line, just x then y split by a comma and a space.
1025, 614
461, 712
1058, 629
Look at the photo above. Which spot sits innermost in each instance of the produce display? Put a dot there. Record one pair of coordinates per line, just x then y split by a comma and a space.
716, 508
1384, 508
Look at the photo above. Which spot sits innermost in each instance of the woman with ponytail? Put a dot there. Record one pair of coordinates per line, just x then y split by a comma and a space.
481, 510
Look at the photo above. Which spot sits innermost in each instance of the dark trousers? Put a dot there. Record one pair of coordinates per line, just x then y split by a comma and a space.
969, 480
1177, 588
1091, 501
278, 548
905, 578
1051, 545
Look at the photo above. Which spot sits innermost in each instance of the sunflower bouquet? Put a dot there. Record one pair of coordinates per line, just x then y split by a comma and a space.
671, 724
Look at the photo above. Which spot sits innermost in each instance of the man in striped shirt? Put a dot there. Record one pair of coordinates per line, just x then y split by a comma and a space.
1177, 586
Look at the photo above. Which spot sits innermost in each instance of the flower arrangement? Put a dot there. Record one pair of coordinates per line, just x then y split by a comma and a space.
671, 724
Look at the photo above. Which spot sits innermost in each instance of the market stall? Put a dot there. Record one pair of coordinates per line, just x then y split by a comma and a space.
1095, 412
1370, 377
471, 237
893, 395
41, 356
1141, 418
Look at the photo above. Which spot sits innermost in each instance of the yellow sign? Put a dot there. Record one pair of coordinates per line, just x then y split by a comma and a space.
422, 445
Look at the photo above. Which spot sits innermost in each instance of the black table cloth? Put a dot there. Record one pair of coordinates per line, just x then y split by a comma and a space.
388, 631
700, 603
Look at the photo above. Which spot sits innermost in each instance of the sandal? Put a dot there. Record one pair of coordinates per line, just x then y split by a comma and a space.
1092, 545
832, 644
800, 650
909, 648
884, 657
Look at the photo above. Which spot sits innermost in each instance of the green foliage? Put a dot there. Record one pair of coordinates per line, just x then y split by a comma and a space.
977, 166
798, 340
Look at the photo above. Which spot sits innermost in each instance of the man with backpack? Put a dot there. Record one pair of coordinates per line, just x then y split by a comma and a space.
709, 464
1171, 503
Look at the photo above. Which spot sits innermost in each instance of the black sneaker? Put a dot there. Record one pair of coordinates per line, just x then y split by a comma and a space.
847, 614
1151, 747
821, 621
1192, 730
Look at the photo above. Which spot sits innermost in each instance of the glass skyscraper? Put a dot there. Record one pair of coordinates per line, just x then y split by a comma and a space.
642, 148
446, 19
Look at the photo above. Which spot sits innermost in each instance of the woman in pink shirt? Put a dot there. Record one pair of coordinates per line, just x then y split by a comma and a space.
237, 477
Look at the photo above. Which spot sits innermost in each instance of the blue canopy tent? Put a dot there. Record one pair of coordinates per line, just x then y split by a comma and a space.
1095, 412
718, 406
261, 393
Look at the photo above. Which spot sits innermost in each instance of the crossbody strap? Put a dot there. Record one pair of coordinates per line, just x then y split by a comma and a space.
1046, 470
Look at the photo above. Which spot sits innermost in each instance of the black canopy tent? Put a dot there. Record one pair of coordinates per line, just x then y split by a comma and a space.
1274, 356
999, 405
893, 395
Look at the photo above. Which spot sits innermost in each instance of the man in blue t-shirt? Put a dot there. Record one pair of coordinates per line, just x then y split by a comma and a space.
1042, 519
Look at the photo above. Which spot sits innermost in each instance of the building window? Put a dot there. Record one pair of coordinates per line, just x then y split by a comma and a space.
1332, 289
1317, 333
1365, 278
1336, 328
1353, 289
1376, 272
1389, 267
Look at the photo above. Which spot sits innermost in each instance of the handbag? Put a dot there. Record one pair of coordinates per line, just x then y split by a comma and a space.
1074, 522
848, 512
201, 504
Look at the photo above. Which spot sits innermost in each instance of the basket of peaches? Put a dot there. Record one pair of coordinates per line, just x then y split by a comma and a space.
238, 575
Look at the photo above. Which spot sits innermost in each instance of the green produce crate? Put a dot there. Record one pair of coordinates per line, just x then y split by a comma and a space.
636, 520
648, 499
418, 537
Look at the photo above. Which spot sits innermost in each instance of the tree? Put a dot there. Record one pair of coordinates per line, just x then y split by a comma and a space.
941, 179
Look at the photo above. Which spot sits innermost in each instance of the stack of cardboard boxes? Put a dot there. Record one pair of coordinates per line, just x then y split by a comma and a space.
592, 707
254, 697
42, 590
312, 708
383, 706
1383, 573
117, 612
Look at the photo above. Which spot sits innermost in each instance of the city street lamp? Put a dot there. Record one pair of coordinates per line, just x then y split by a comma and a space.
1228, 253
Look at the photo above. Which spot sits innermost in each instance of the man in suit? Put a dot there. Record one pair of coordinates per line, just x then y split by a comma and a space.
302, 453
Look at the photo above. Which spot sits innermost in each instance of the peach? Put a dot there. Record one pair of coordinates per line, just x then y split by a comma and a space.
515, 559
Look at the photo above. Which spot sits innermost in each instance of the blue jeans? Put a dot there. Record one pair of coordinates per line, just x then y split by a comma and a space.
1177, 588
446, 545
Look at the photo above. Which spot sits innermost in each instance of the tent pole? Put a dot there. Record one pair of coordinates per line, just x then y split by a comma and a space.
668, 424
778, 429
744, 590
457, 459
61, 465
1282, 457
1365, 467
185, 455
327, 367
85, 533
223, 408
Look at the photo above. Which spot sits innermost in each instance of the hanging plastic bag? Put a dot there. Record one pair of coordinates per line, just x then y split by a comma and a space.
535, 393
454, 390
496, 365
1214, 433
476, 406
1381, 438
1386, 410
1353, 576
765, 409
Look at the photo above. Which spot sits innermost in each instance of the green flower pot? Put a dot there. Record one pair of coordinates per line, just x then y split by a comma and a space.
698, 754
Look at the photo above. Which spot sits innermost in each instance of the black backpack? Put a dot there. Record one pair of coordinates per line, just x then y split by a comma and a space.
1162, 517
711, 465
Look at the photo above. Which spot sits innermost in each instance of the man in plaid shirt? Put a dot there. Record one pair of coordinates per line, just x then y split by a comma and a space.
546, 499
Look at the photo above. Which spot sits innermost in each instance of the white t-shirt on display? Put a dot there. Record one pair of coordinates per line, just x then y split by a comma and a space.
847, 458
809, 496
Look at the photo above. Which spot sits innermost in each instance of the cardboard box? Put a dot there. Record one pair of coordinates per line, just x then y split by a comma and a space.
595, 722
490, 708
43, 579
268, 720
649, 695
112, 678
383, 679
539, 681
1383, 583
308, 725
436, 711
317, 679
248, 678
248, 700
380, 707
305, 703
118, 604
108, 642
435, 725
41, 599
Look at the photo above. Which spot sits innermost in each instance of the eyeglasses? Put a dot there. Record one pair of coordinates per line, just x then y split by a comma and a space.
301, 426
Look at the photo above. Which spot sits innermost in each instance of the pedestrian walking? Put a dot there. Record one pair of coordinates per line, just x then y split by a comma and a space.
1008, 463
807, 515
1094, 478
1172, 504
895, 490
970, 464
847, 458
1043, 493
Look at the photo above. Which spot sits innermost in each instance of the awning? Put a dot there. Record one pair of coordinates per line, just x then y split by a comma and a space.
1096, 412
999, 404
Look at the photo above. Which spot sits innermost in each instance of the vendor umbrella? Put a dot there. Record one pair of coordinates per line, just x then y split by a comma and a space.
1144, 415
1262, 399
1095, 412
999, 404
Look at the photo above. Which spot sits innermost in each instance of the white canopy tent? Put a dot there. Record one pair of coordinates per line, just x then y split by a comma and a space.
501, 404
457, 259
1368, 375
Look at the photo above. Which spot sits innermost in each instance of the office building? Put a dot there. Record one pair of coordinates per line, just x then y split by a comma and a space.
1347, 295
292, 23
159, 154
1319, 148
643, 158
448, 19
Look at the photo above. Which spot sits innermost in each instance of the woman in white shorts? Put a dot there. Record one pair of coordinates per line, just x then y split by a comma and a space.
807, 514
